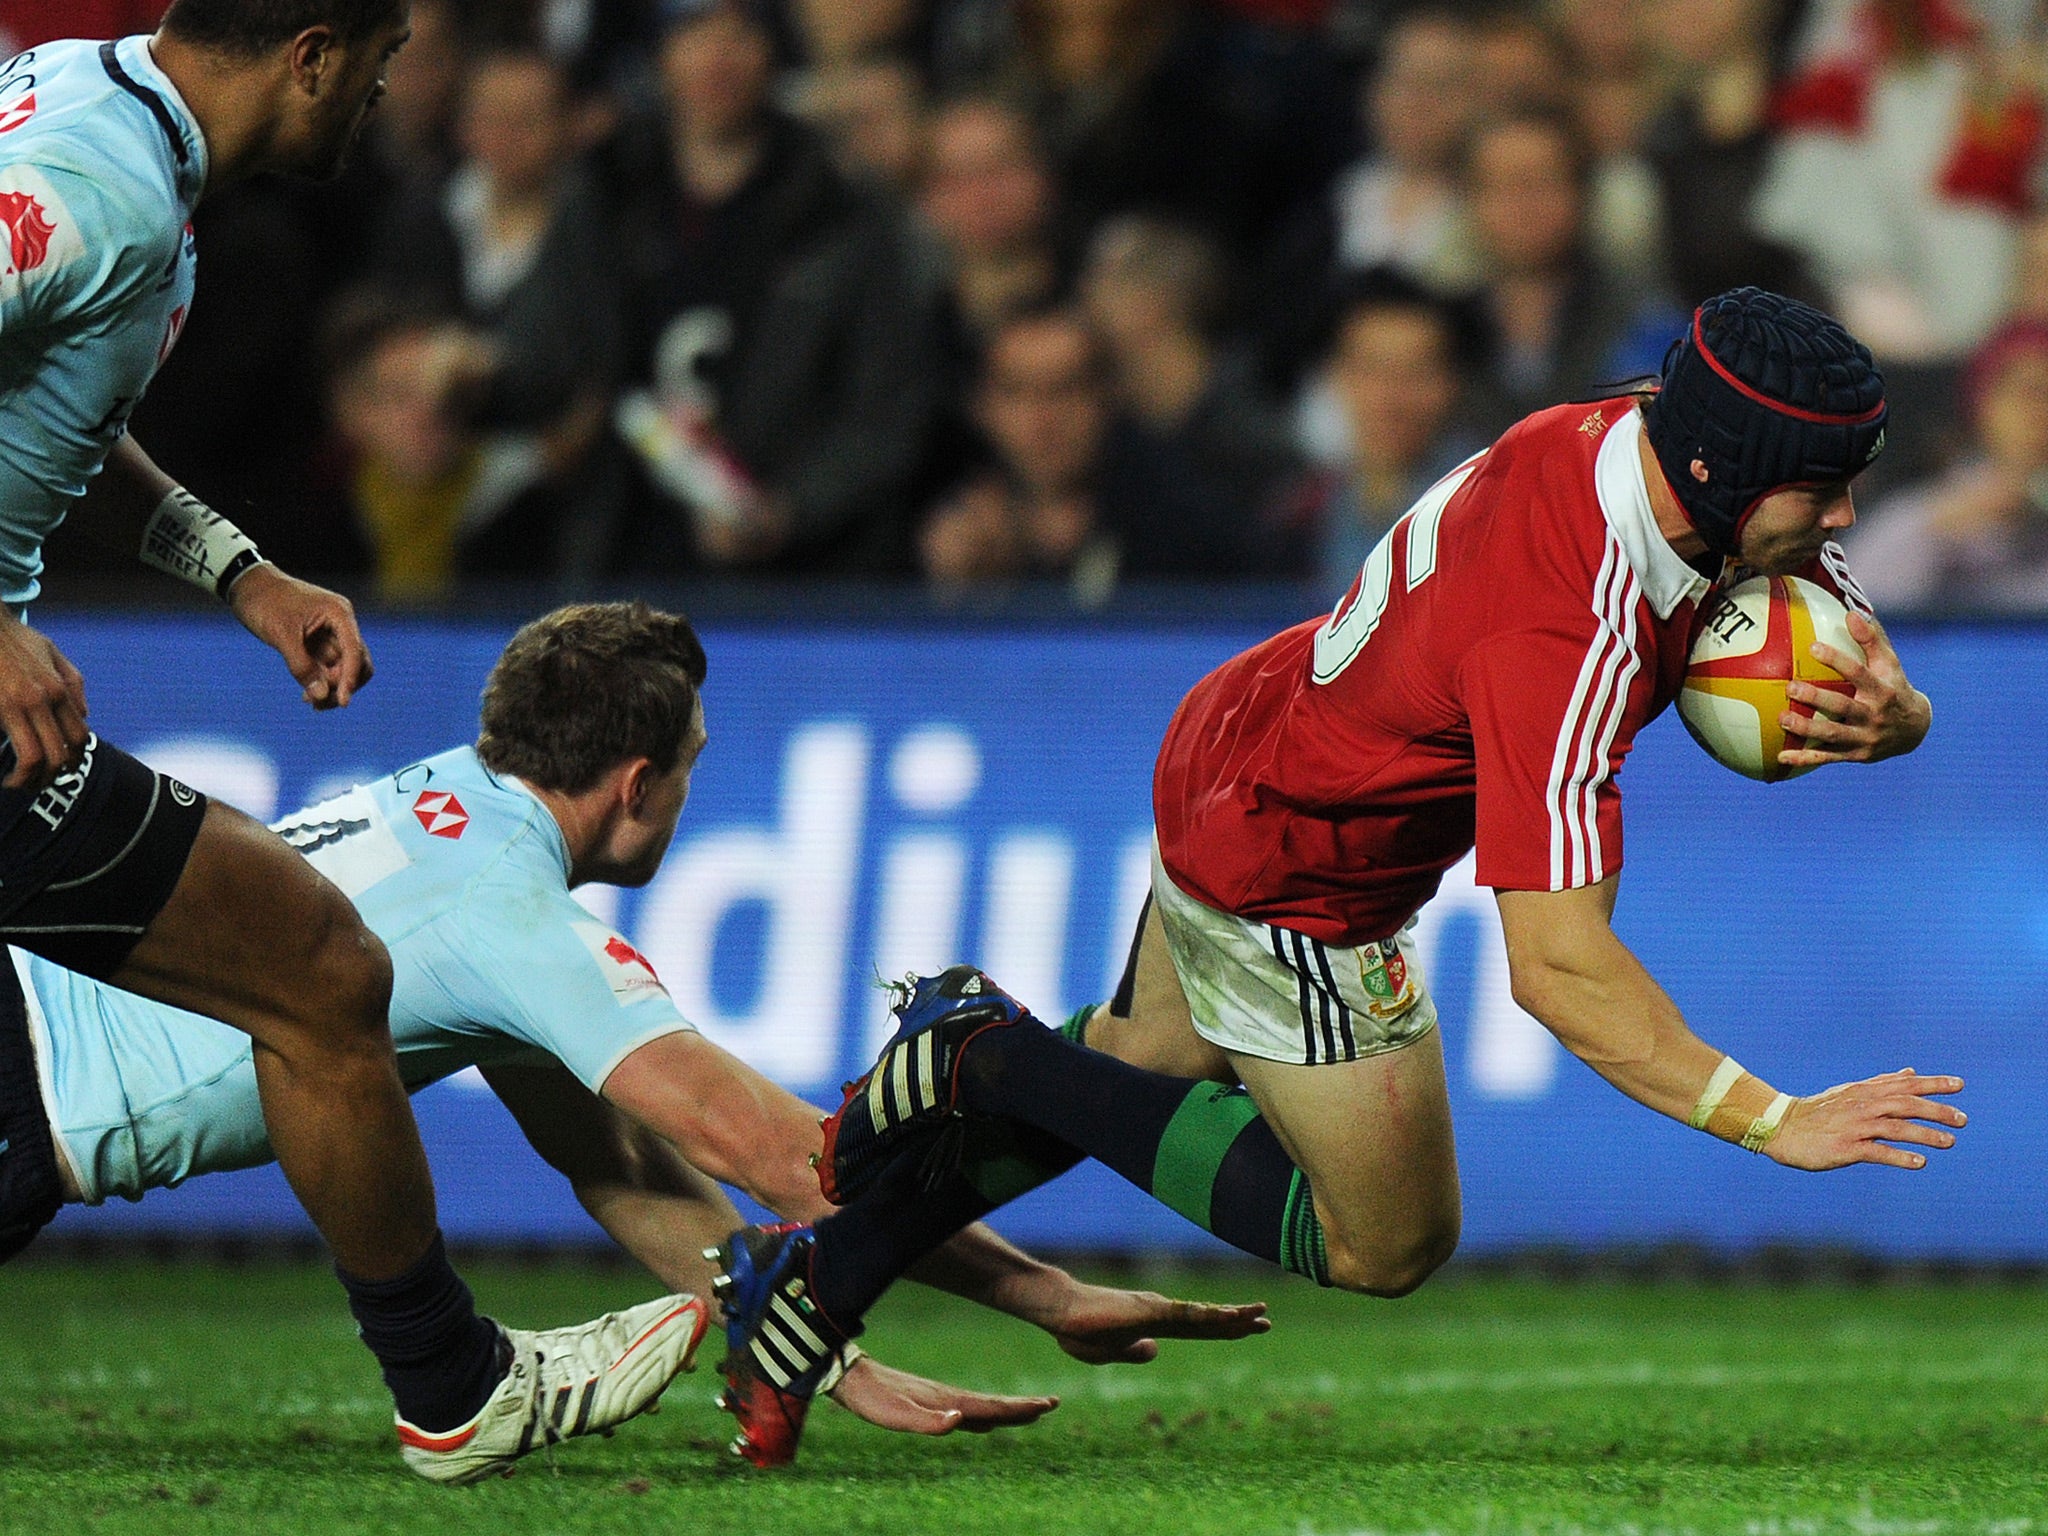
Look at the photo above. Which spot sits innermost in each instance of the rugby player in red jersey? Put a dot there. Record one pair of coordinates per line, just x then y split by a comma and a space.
1271, 1067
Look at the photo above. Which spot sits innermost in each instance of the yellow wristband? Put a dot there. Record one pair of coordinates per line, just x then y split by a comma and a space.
1739, 1107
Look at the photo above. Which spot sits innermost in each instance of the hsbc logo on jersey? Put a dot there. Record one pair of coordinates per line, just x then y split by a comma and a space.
17, 112
440, 813
29, 229
627, 972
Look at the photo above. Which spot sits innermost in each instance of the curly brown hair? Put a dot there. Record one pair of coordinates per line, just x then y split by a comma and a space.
582, 689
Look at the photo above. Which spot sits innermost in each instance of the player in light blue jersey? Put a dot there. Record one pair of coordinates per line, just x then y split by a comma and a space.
463, 864
123, 874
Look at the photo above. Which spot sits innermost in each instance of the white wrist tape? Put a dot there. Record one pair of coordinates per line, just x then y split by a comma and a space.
1765, 1125
194, 543
1725, 1077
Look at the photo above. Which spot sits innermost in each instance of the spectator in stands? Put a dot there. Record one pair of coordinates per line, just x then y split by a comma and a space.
428, 495
987, 193
1708, 147
1560, 324
1519, 59
235, 411
721, 191
1168, 106
1909, 144
1042, 400
797, 316
1613, 91
412, 132
1197, 471
1976, 537
837, 32
836, 408
872, 111
1397, 370
1401, 205
601, 46
517, 243
2030, 271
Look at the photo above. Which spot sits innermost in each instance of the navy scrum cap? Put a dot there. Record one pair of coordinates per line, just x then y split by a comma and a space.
1765, 392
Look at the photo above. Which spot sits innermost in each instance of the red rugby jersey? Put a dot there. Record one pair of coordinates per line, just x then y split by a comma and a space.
1480, 683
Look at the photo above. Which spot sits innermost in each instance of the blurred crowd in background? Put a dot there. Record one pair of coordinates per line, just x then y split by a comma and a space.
1088, 292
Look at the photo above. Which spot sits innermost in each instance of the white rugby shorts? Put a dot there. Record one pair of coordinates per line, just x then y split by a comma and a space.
1280, 995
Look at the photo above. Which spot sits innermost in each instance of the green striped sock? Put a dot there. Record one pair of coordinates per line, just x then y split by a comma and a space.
1076, 1027
1191, 1153
1200, 1148
1301, 1234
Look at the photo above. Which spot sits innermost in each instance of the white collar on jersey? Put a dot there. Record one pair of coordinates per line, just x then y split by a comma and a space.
1625, 501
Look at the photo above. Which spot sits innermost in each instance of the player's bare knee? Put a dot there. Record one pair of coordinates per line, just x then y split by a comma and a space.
345, 984
1389, 1267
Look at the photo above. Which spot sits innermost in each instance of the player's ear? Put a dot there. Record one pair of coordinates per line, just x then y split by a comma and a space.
636, 783
312, 57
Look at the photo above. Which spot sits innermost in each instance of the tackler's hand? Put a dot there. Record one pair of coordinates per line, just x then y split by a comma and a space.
1103, 1325
1885, 717
917, 1405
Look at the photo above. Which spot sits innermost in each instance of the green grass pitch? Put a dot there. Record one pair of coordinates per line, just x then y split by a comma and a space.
197, 1398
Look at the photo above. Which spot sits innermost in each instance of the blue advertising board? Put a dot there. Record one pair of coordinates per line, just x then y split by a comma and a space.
879, 800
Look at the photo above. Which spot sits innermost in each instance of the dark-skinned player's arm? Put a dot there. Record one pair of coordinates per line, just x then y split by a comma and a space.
735, 1125
133, 506
1569, 969
665, 1213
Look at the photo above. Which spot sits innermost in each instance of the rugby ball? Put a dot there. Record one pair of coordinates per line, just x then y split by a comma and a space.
1748, 643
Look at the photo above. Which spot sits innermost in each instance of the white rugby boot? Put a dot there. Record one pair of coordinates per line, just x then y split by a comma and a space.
565, 1382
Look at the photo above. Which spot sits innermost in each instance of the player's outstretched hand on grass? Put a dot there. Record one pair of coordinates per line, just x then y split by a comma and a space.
313, 629
1101, 1325
1857, 1122
42, 705
916, 1405
1885, 717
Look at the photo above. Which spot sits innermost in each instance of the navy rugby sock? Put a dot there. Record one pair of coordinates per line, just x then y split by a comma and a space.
440, 1360
1004, 1160
1199, 1147
858, 1252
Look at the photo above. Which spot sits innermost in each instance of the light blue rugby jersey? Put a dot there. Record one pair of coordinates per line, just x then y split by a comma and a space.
101, 163
464, 875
